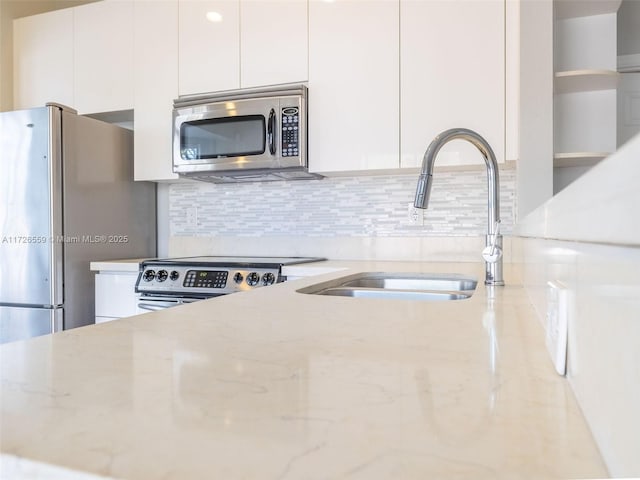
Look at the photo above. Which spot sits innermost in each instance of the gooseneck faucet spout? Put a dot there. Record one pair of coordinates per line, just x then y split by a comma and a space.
493, 251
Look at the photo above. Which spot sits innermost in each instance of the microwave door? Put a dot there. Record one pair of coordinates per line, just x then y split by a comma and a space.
225, 136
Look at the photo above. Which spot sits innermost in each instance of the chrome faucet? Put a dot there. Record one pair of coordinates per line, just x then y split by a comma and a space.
492, 253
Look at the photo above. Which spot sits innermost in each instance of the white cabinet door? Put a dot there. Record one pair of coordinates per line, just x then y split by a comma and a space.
512, 80
103, 49
273, 42
115, 294
209, 45
353, 85
452, 72
156, 85
43, 59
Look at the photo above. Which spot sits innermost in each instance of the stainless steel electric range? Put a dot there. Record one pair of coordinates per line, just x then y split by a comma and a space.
164, 283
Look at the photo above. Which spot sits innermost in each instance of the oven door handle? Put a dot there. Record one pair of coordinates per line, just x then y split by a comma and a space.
155, 306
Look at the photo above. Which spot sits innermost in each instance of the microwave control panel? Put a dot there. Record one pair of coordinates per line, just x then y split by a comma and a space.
290, 132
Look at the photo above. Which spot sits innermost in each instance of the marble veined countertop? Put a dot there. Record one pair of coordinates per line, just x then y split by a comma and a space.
275, 384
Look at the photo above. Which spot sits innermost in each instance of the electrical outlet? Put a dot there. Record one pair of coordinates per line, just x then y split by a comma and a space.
557, 324
192, 216
416, 215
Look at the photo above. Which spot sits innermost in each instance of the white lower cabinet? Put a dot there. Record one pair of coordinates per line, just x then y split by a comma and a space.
115, 295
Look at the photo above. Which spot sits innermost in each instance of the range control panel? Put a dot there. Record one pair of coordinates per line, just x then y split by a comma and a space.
290, 132
203, 281
206, 278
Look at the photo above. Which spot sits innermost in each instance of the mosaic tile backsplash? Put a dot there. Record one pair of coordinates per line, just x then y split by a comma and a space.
366, 206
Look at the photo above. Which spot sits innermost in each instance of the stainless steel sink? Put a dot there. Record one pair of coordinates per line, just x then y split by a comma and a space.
405, 286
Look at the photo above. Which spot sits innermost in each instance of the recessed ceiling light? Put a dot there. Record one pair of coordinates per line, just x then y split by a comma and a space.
214, 17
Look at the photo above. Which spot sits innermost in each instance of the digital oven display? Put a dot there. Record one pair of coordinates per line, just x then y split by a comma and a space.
205, 279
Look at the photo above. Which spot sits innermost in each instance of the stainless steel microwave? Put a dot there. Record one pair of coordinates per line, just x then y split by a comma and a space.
242, 135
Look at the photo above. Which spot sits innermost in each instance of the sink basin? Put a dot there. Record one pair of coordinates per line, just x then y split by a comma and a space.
410, 281
403, 286
395, 294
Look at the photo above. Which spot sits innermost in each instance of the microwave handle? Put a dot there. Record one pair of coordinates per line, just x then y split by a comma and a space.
271, 132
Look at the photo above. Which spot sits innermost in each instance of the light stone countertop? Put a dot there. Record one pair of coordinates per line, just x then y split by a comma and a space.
274, 384
124, 265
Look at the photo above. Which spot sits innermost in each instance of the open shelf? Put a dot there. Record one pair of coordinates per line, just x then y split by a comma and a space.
584, 86
578, 159
584, 8
585, 80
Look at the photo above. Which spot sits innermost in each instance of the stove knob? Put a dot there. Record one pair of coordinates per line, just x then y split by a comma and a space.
252, 279
162, 275
268, 279
148, 275
238, 278
174, 275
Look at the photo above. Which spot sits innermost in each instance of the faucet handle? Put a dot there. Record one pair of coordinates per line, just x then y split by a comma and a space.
496, 231
492, 252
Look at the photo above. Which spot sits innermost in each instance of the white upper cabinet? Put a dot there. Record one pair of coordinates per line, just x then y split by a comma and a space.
273, 42
43, 59
452, 71
156, 85
228, 44
353, 85
103, 63
384, 76
209, 45
512, 80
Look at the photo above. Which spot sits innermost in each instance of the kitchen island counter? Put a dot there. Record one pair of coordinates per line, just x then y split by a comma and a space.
278, 384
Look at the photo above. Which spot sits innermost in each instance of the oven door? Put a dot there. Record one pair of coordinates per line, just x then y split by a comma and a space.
151, 303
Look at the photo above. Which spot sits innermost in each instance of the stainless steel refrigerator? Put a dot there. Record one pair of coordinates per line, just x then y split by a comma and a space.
67, 198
